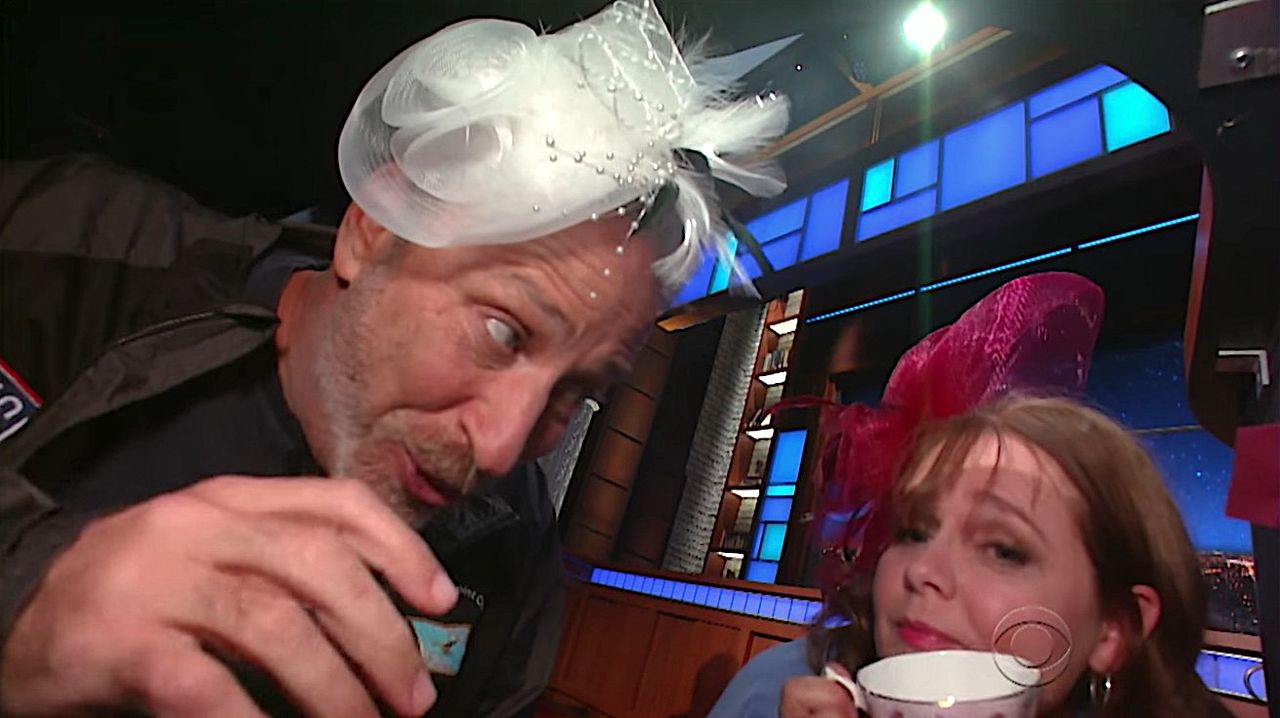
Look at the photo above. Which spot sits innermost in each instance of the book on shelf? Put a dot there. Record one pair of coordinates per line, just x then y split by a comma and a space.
759, 419
775, 360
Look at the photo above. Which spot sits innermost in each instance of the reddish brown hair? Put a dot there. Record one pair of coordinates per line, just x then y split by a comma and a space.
1132, 531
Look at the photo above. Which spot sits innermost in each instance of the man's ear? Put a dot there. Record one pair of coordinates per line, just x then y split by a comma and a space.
360, 241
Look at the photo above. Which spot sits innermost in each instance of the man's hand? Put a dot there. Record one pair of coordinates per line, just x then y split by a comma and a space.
816, 697
277, 572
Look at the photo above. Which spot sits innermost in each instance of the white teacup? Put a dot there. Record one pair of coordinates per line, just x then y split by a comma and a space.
957, 684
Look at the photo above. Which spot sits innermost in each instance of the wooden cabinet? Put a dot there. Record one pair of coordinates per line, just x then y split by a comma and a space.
628, 655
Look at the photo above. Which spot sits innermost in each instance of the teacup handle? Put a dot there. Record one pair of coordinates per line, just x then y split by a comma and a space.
855, 691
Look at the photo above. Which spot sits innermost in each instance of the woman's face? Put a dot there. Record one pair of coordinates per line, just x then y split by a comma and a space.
995, 562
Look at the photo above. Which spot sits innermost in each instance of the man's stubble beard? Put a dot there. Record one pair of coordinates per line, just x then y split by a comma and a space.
362, 446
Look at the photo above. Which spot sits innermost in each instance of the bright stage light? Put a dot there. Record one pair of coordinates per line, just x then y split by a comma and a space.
924, 28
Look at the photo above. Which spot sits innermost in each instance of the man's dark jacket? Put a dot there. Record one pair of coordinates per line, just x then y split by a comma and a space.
116, 288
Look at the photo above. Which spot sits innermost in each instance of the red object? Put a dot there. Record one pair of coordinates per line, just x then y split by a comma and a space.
1255, 478
1036, 333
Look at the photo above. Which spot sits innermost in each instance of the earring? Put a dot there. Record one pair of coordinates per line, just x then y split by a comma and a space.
1099, 689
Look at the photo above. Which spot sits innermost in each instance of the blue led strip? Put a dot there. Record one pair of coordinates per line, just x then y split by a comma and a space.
996, 269
864, 305
1002, 267
750, 603
1142, 230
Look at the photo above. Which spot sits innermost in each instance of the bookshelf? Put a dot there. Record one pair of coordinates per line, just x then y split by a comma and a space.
731, 537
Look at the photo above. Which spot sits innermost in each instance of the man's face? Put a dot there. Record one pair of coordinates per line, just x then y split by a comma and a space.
444, 366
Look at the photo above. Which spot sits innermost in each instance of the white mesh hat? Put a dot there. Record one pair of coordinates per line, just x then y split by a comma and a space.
487, 133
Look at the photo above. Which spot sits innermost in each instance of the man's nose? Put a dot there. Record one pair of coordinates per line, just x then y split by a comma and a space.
500, 423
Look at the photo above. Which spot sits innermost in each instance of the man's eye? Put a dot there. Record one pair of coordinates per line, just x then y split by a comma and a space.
503, 333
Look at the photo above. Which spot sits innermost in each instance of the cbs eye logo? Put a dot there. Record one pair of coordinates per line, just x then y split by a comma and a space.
1032, 637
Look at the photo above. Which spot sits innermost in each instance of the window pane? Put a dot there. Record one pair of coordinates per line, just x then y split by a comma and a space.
1132, 115
826, 220
877, 185
1066, 137
984, 157
774, 536
1074, 88
778, 222
775, 509
898, 214
917, 169
785, 468
763, 572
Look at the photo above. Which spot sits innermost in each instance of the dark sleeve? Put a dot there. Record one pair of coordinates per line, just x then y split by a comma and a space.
524, 670
33, 530
84, 244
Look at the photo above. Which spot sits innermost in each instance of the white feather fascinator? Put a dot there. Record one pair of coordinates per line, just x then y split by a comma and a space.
488, 133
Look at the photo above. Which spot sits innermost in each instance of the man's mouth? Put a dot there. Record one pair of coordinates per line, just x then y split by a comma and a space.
423, 484
921, 636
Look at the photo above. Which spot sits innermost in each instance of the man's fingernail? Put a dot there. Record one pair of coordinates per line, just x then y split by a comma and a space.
424, 694
444, 590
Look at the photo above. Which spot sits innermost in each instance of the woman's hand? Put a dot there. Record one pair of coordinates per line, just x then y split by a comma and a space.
812, 696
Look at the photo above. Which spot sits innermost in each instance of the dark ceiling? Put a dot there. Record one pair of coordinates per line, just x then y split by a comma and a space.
240, 103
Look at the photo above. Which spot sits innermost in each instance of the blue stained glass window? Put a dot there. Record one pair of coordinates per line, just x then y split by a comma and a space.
756, 540
783, 490
917, 169
788, 448
713, 597
749, 264
702, 596
826, 220
1132, 115
778, 222
984, 157
762, 572
739, 602
1073, 88
775, 509
877, 185
782, 252
723, 272
1066, 137
899, 214
696, 287
753, 604
774, 536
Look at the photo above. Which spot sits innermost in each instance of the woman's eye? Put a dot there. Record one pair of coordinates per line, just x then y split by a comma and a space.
1008, 554
910, 535
503, 333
